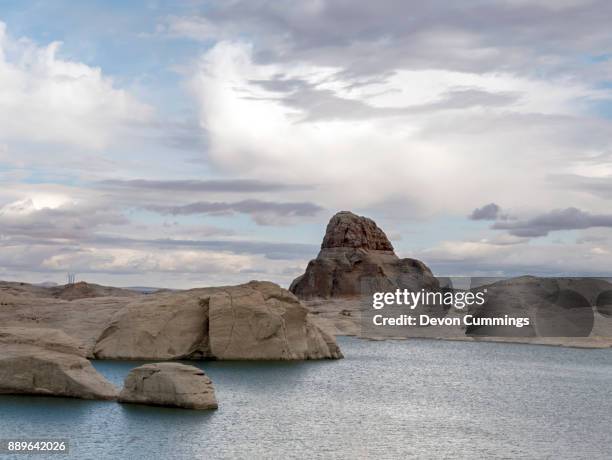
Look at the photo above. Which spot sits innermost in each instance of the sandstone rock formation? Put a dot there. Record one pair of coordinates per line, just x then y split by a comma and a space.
25, 305
556, 307
257, 320
83, 290
604, 303
76, 291
347, 230
169, 384
48, 362
356, 259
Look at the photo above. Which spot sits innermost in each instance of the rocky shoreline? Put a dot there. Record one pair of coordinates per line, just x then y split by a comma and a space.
49, 334
342, 317
48, 338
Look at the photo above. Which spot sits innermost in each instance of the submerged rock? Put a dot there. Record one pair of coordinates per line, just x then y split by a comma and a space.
357, 259
257, 320
169, 384
48, 362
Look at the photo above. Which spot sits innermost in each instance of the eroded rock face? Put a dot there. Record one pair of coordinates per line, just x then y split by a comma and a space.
257, 320
357, 259
48, 362
161, 326
260, 320
169, 384
348, 230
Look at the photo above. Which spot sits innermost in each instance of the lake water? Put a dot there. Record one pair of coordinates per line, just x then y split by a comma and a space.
393, 399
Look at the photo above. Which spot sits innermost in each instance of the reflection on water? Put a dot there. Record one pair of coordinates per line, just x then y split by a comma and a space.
385, 400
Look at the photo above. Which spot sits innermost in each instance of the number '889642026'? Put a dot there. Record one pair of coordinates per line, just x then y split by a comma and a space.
31, 446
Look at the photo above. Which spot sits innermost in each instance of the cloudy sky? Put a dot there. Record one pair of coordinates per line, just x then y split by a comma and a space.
195, 143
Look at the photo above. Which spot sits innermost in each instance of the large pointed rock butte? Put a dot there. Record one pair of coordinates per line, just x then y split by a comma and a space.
357, 259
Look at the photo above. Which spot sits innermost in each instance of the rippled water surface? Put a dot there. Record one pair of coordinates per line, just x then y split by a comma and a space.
393, 399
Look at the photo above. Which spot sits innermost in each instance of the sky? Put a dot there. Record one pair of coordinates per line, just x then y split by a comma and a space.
195, 143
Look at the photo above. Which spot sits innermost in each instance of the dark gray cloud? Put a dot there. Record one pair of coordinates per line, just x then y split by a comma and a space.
487, 212
598, 186
325, 104
281, 84
213, 185
464, 98
275, 251
547, 263
46, 247
85, 238
371, 37
263, 212
68, 222
558, 219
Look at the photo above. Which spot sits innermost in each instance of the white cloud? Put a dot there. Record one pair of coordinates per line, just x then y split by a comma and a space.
473, 258
119, 260
49, 230
414, 144
124, 266
44, 98
342, 98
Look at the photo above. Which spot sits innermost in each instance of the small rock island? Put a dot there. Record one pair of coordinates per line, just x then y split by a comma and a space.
169, 384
